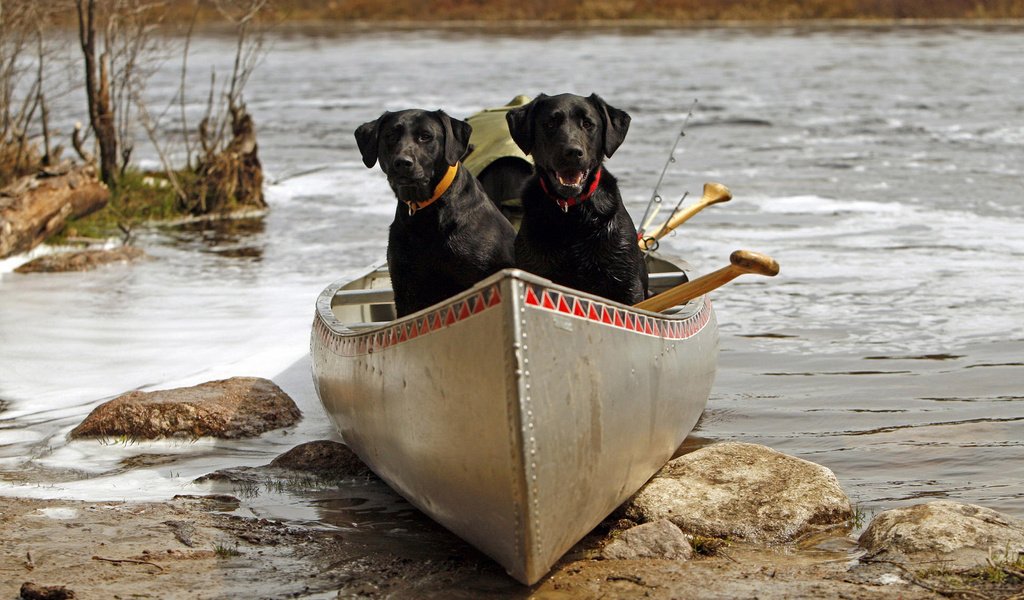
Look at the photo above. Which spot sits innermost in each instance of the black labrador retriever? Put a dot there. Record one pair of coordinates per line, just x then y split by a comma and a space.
447, 234
575, 229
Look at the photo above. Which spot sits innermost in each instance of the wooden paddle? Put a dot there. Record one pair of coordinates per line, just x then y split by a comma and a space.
741, 261
713, 194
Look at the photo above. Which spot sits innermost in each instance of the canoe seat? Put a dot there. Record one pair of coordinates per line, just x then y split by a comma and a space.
366, 325
371, 296
659, 282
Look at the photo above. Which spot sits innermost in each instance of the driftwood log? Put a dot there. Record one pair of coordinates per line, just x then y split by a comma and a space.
37, 206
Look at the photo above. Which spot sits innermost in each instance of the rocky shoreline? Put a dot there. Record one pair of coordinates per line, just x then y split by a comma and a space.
731, 520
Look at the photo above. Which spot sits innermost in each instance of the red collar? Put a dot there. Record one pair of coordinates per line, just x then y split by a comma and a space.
565, 203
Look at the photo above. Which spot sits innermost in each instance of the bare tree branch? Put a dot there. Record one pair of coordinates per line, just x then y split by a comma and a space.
44, 112
114, 78
22, 97
151, 130
78, 143
181, 87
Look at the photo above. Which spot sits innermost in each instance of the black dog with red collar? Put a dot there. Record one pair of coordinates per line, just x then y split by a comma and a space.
575, 229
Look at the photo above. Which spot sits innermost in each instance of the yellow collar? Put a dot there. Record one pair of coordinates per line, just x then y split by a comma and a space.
442, 187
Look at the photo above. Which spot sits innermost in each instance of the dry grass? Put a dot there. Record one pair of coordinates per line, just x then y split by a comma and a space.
16, 160
177, 13
671, 10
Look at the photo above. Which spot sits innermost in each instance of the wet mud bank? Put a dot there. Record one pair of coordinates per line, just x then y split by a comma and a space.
729, 520
200, 547
215, 546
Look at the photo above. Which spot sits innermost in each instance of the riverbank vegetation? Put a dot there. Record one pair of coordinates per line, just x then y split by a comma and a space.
209, 161
671, 11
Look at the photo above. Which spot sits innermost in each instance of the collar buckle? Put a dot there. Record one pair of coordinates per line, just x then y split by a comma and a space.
439, 190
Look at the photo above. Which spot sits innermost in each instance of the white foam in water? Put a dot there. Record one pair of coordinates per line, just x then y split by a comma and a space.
18, 436
350, 186
871, 266
312, 180
9, 264
816, 205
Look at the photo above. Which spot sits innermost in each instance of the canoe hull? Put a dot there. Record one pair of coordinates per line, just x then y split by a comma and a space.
518, 414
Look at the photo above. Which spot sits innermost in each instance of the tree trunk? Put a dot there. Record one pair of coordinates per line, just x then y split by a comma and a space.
37, 206
97, 92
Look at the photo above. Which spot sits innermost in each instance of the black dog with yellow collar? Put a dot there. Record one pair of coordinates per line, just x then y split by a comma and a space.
447, 234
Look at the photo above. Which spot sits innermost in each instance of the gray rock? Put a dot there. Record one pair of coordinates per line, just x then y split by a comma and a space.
232, 408
321, 462
743, 491
83, 260
943, 534
660, 539
322, 457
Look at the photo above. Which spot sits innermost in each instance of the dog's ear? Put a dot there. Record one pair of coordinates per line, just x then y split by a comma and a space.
616, 124
520, 124
368, 140
456, 137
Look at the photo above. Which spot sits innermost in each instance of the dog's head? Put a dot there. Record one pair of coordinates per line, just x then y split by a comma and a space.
568, 136
415, 149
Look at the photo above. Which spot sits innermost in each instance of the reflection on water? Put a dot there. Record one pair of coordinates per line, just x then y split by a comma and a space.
230, 238
880, 168
381, 531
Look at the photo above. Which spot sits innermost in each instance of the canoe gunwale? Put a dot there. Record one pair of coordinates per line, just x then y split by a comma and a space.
325, 312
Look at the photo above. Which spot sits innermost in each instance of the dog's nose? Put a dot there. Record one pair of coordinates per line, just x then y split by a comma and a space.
402, 164
574, 152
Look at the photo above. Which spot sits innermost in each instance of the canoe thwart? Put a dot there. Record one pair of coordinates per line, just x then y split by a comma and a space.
370, 296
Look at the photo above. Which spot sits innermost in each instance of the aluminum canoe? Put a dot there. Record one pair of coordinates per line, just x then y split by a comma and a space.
518, 414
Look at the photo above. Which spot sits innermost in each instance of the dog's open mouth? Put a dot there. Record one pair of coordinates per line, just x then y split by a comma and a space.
571, 180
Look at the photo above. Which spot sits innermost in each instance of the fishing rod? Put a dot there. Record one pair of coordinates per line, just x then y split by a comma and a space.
650, 243
654, 204
679, 205
713, 194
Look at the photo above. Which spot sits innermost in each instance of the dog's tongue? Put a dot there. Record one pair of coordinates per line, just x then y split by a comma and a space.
571, 178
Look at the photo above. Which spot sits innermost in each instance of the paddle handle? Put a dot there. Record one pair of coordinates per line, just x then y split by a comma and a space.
713, 194
740, 262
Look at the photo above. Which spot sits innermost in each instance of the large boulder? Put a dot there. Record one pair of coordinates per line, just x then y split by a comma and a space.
239, 407
943, 534
743, 491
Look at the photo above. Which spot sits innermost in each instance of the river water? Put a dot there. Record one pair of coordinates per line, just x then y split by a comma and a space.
883, 169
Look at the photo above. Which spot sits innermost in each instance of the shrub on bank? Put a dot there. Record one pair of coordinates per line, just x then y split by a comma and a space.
645, 10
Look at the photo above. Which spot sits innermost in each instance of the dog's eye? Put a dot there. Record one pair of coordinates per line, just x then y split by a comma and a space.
587, 124
424, 137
